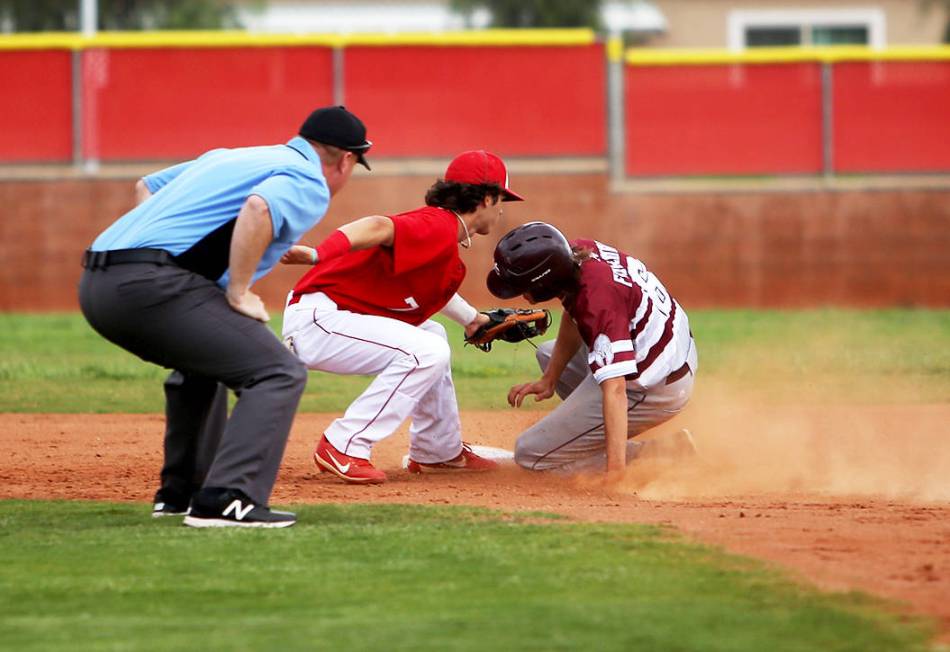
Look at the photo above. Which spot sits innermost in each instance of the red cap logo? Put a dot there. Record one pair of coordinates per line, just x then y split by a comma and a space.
477, 167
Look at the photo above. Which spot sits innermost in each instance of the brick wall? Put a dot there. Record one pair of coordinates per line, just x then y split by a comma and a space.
886, 248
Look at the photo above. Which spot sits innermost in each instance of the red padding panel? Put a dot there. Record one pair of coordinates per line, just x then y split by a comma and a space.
723, 119
518, 101
36, 111
892, 116
177, 103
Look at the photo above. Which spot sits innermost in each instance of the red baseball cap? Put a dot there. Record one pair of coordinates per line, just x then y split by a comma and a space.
478, 166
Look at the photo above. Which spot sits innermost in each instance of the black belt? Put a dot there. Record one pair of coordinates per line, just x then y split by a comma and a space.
102, 259
679, 373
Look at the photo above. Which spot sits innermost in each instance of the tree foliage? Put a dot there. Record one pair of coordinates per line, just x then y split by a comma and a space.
63, 15
536, 13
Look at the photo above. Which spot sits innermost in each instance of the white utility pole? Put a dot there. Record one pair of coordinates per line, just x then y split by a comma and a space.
88, 17
84, 104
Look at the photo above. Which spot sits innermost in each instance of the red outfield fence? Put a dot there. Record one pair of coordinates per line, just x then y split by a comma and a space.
523, 101
764, 119
170, 96
175, 103
173, 95
787, 111
36, 111
892, 116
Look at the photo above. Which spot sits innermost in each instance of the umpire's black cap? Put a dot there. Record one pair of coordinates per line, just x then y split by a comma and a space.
334, 125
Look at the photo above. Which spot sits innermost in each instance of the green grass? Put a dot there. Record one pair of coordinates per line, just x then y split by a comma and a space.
56, 363
99, 576
873, 356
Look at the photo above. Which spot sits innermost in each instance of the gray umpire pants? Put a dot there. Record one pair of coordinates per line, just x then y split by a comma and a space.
178, 319
572, 437
196, 413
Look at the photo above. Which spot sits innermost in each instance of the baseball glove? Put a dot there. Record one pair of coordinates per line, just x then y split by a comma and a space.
510, 325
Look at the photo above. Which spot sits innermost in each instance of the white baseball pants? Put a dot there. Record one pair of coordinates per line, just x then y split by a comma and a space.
413, 380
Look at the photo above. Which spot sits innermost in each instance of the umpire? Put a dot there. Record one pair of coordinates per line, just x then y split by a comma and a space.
169, 281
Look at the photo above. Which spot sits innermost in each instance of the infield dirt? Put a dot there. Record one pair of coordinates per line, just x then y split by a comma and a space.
845, 497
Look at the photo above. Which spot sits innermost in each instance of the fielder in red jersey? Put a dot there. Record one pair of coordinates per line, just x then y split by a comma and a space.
410, 280
623, 361
365, 308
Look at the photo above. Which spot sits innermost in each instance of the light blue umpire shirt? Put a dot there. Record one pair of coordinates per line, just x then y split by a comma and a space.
194, 204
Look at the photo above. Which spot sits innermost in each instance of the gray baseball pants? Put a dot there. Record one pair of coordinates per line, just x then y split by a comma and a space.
178, 319
572, 437
196, 413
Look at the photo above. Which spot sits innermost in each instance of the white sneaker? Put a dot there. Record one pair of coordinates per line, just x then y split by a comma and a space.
168, 509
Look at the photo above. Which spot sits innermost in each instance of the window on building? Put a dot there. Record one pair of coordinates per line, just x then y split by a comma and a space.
756, 37
749, 28
841, 35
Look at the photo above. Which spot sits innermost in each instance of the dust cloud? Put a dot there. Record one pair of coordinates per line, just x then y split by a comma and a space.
759, 442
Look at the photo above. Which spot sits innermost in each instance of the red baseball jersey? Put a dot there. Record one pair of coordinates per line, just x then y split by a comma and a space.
409, 281
630, 323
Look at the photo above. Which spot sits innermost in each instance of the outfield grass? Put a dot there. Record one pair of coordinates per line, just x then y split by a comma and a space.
56, 363
99, 576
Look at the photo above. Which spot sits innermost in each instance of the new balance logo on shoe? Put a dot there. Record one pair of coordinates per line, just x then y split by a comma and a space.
239, 511
233, 508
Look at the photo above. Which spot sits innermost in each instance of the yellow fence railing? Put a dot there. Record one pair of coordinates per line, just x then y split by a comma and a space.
637, 56
220, 39
831, 54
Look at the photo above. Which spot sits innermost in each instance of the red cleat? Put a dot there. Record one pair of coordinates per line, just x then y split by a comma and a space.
354, 470
467, 460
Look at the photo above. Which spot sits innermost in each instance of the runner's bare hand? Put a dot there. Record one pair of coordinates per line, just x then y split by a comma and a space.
542, 389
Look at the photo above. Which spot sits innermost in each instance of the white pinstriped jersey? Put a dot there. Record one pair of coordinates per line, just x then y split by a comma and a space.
630, 323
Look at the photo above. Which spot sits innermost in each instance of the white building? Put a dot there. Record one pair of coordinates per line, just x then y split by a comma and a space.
386, 16
734, 24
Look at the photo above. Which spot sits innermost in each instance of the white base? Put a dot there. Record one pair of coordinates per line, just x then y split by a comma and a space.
488, 452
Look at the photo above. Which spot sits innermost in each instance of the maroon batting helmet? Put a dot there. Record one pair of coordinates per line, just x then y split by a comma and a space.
534, 259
